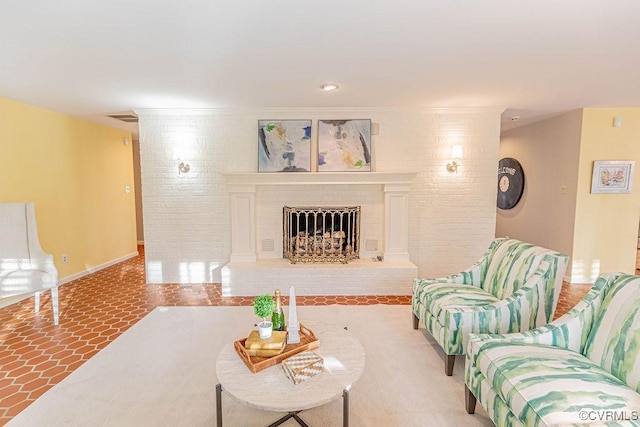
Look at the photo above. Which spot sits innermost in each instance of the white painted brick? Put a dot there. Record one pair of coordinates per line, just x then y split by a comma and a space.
359, 277
187, 220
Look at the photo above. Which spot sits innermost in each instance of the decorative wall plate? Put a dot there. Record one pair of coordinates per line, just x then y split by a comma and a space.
510, 183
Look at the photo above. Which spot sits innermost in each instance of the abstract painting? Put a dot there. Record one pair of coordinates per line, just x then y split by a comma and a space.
344, 145
284, 145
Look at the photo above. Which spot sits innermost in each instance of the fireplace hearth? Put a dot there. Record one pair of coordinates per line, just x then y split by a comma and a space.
321, 234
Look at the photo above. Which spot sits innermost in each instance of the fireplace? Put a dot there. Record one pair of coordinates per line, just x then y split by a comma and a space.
321, 234
257, 200
257, 265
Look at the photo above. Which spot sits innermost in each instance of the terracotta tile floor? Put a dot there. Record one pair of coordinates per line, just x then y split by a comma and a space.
94, 310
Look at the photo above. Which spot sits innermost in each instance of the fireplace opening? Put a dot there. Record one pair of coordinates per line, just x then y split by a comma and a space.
321, 234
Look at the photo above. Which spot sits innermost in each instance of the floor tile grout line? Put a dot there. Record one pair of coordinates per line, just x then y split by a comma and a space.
99, 307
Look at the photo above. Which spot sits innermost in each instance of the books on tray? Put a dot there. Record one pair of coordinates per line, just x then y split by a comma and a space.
256, 346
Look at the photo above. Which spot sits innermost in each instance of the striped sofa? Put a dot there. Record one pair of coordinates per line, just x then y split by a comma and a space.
513, 287
581, 369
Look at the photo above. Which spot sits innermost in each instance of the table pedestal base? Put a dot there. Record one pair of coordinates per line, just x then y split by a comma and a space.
294, 415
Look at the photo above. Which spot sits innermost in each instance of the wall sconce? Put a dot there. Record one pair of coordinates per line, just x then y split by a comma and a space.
456, 154
183, 168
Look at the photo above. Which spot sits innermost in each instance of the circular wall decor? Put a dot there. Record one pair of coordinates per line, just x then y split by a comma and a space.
510, 182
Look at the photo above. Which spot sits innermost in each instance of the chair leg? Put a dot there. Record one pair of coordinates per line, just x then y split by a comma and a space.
415, 321
54, 304
469, 400
36, 308
449, 360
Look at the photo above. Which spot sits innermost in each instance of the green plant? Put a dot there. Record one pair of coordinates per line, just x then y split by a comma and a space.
263, 306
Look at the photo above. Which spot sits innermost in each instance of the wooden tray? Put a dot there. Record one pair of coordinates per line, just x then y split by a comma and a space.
308, 341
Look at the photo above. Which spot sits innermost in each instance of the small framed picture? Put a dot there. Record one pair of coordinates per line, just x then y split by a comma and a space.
284, 145
612, 176
344, 145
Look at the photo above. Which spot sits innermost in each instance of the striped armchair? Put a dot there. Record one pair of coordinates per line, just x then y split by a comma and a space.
513, 287
583, 368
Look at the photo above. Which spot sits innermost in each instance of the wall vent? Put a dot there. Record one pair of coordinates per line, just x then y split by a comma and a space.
129, 118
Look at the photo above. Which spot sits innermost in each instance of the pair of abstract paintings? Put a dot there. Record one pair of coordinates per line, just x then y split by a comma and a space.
285, 145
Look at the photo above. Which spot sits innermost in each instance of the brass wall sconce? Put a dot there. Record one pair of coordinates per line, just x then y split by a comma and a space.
456, 155
183, 168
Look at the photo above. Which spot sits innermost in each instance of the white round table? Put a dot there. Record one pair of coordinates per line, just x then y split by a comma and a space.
271, 390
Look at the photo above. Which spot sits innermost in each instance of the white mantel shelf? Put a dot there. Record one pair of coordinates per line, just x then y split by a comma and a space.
320, 178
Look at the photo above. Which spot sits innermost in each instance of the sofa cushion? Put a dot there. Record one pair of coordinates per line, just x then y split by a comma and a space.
439, 297
545, 385
512, 263
614, 340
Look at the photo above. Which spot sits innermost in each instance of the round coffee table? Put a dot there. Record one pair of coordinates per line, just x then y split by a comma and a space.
271, 390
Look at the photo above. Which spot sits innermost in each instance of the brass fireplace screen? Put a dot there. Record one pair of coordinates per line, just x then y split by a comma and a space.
321, 234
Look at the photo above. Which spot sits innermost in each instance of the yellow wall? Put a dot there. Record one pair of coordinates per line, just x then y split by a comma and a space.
76, 172
606, 225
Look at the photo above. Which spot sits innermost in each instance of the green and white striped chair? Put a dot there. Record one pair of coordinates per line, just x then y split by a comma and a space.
583, 368
513, 287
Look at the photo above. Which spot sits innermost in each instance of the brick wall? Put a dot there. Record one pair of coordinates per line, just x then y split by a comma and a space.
186, 218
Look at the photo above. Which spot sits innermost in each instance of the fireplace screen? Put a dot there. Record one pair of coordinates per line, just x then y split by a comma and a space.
321, 234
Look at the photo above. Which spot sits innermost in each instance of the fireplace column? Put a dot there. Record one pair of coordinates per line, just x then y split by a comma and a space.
243, 223
396, 222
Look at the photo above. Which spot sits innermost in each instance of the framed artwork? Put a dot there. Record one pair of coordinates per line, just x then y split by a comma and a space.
612, 176
284, 145
344, 145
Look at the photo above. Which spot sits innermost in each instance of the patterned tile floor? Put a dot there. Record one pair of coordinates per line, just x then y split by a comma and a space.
35, 355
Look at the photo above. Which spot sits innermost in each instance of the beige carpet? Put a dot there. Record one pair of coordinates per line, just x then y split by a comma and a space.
161, 372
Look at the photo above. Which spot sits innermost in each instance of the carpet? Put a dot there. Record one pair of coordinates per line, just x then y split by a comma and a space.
161, 372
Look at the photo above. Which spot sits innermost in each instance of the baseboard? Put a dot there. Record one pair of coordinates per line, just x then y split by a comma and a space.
579, 280
96, 268
6, 301
14, 299
140, 243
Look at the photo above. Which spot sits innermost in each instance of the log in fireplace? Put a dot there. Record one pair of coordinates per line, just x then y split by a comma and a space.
321, 234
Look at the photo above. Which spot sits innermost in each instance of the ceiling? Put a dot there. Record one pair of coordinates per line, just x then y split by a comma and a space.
534, 59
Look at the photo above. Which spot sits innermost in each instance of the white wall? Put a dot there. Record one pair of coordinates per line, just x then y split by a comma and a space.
549, 152
186, 219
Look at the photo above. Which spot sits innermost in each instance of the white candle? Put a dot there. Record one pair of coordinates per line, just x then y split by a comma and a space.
293, 316
293, 336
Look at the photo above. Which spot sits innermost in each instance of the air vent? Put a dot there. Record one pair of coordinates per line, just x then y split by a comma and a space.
129, 118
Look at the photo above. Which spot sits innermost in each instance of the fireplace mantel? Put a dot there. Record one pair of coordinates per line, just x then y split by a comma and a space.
394, 185
320, 178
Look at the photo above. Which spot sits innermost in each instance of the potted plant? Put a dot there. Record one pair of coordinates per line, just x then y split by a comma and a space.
263, 306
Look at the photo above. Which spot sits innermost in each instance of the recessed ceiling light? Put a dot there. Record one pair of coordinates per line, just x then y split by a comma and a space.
329, 86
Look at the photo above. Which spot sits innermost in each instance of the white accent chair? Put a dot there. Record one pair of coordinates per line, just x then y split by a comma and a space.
24, 267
